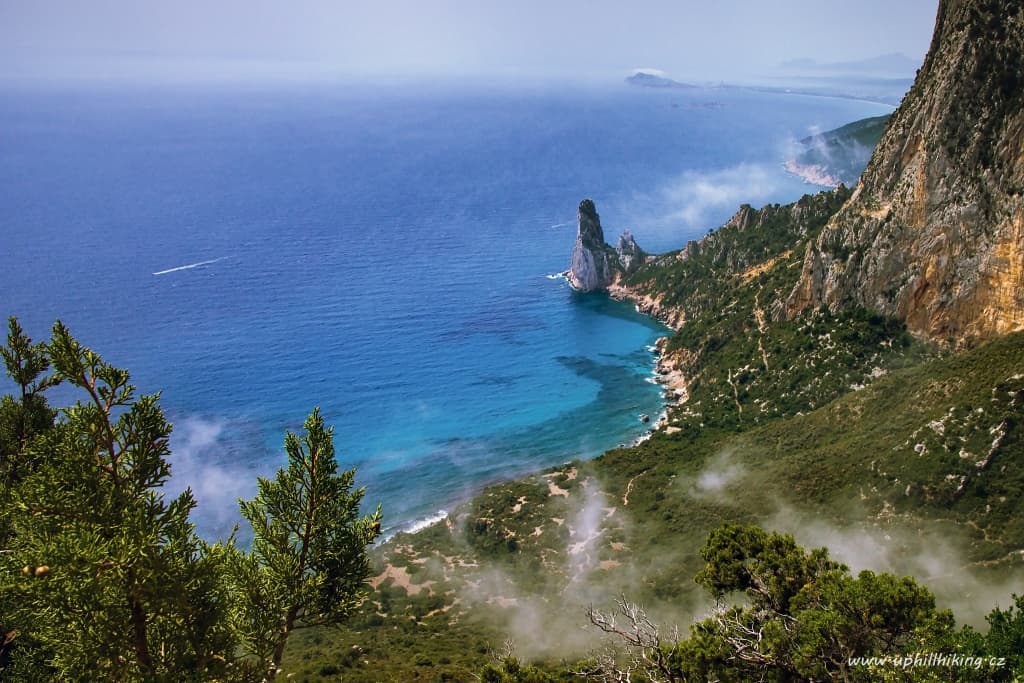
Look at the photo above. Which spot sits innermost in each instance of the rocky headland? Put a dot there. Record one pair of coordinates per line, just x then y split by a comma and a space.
934, 233
595, 265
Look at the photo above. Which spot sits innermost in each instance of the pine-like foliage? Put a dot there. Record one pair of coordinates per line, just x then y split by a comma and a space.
308, 564
104, 576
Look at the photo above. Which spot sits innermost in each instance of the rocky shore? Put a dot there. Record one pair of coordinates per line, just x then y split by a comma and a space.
668, 368
670, 375
595, 265
648, 305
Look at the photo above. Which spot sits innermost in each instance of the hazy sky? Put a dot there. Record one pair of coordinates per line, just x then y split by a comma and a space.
595, 38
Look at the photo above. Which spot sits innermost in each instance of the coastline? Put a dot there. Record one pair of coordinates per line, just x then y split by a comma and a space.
667, 373
648, 305
668, 367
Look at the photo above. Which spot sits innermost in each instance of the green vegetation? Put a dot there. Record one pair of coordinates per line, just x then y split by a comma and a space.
452, 593
843, 153
744, 365
804, 616
105, 575
701, 277
103, 578
308, 565
864, 132
800, 616
839, 428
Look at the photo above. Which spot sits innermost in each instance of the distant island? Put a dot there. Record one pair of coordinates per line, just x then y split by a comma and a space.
654, 79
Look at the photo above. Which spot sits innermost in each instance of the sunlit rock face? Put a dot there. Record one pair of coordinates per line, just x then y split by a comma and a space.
934, 232
591, 265
594, 264
631, 256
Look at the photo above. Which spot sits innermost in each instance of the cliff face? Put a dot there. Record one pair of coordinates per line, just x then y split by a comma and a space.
699, 278
629, 253
594, 264
934, 233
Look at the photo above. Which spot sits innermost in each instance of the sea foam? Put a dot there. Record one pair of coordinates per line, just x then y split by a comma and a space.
418, 525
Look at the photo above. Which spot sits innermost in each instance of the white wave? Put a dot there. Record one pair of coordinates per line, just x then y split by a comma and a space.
564, 275
424, 522
643, 437
562, 225
189, 266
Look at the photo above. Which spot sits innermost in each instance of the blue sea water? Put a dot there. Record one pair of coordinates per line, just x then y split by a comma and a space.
384, 253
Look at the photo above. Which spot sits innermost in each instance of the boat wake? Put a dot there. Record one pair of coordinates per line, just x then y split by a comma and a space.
190, 266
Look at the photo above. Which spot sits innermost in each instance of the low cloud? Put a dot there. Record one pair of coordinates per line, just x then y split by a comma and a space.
701, 200
721, 473
819, 162
199, 461
814, 142
553, 623
936, 560
584, 531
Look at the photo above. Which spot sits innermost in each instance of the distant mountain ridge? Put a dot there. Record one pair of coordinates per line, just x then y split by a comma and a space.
893, 63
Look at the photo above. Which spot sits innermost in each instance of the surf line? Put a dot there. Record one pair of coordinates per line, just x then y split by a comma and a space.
189, 266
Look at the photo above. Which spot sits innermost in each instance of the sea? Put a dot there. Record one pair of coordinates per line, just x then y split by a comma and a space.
388, 253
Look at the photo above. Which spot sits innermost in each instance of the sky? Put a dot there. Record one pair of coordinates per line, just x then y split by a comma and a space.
688, 39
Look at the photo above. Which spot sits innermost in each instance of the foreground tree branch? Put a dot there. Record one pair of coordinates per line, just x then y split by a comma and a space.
648, 652
308, 564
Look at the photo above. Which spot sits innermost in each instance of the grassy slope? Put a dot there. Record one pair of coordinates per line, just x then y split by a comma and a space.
865, 132
840, 428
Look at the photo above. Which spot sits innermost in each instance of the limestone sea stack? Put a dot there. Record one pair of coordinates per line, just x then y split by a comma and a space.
591, 266
595, 264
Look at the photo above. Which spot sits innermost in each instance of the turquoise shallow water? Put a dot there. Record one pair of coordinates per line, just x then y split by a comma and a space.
384, 254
